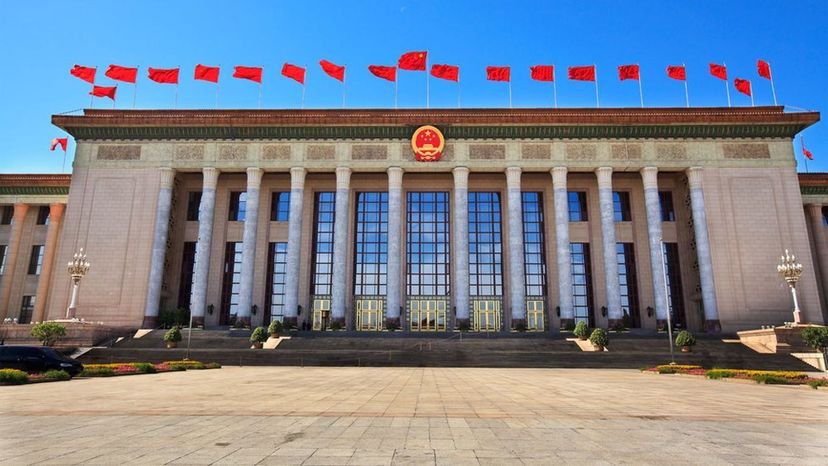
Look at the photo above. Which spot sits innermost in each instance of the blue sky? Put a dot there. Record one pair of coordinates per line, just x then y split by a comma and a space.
42, 40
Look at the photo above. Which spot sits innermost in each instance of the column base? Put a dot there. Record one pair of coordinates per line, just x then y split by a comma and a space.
661, 325
198, 321
567, 324
289, 322
615, 324
70, 313
712, 326
149, 322
519, 325
462, 324
243, 321
392, 323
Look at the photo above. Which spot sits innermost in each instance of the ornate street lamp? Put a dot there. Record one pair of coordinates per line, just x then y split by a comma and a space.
790, 270
78, 267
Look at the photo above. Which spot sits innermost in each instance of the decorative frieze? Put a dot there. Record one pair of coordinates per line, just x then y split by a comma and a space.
321, 152
581, 152
107, 152
746, 151
671, 152
233, 152
276, 152
626, 151
487, 151
189, 152
369, 152
536, 151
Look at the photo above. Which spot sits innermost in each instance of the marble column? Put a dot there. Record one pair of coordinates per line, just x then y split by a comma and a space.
13, 250
248, 265
820, 242
649, 176
393, 298
708, 287
564, 258
159, 247
613, 289
461, 246
55, 219
294, 246
517, 290
339, 277
201, 269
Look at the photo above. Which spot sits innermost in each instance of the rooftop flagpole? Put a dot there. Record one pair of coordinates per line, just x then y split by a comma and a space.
345, 70
727, 86
458, 87
554, 88
773, 89
510, 85
428, 90
750, 86
302, 105
597, 102
640, 88
395, 92
134, 88
804, 157
686, 93
217, 89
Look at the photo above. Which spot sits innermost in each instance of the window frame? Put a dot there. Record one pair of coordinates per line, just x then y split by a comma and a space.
371, 247
277, 277
36, 259
534, 258
621, 206
193, 205
486, 272
237, 209
581, 213
43, 215
280, 206
321, 282
436, 280
589, 305
667, 210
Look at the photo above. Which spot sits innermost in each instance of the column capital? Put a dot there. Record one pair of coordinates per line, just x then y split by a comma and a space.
694, 177
343, 177
815, 210
56, 211
558, 177
211, 175
513, 177
20, 210
254, 177
650, 177
461, 177
167, 177
604, 175
395, 175
297, 178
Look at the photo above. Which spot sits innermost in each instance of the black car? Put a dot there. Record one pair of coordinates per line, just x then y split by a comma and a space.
34, 359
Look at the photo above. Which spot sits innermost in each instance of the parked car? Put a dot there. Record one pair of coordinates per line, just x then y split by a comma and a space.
34, 359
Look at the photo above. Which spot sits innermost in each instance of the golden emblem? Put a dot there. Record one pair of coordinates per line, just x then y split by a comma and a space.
428, 143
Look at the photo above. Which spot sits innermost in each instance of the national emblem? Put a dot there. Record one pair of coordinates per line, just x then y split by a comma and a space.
428, 143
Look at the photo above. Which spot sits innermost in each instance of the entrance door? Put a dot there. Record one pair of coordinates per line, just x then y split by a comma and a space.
427, 315
369, 315
486, 315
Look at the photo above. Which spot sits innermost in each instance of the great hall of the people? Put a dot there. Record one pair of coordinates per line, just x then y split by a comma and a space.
487, 220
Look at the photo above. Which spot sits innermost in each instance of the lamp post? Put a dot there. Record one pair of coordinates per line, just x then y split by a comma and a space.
78, 267
790, 271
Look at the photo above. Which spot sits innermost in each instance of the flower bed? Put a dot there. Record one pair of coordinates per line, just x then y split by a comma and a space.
107, 370
761, 377
17, 377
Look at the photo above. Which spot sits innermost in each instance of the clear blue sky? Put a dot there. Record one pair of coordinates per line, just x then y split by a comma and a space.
42, 40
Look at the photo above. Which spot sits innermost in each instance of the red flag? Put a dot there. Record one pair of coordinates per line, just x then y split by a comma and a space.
628, 72
248, 72
83, 72
332, 70
413, 61
499, 73
543, 72
59, 142
805, 151
677, 72
764, 69
104, 91
384, 72
296, 73
581, 73
719, 71
742, 85
207, 73
164, 76
121, 73
448, 72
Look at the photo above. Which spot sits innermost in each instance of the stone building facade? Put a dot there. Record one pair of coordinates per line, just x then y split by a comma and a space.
532, 219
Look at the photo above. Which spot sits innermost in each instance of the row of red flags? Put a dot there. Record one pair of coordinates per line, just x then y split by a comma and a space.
411, 61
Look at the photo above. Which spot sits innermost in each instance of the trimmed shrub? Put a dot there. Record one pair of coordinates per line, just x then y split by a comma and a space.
174, 318
173, 334
770, 379
581, 330
599, 337
144, 367
275, 327
13, 377
815, 383
48, 332
212, 365
259, 335
97, 371
685, 338
816, 337
56, 375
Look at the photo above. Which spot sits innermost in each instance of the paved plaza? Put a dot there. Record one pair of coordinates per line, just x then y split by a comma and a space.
377, 416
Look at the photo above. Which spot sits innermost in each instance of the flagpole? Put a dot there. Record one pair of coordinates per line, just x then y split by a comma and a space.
303, 97
554, 88
175, 104
260, 96
395, 92
217, 89
597, 102
428, 90
510, 92
92, 97
686, 93
773, 89
343, 85
134, 88
458, 88
804, 157
64, 161
640, 89
727, 86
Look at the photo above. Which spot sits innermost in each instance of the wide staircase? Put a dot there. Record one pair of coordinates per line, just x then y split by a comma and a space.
437, 350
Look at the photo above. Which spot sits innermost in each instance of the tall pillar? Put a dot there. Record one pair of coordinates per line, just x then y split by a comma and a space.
461, 246
820, 246
294, 246
517, 290
206, 211
567, 312
248, 265
649, 176
159, 247
708, 288
339, 276
393, 285
11, 259
55, 219
613, 289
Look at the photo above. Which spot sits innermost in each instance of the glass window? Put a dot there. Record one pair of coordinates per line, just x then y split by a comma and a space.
26, 310
43, 215
665, 199
371, 240
193, 205
581, 282
675, 297
276, 285
3, 249
323, 240
280, 207
427, 244
238, 206
825, 215
621, 206
231, 284
485, 245
577, 206
628, 282
36, 259
6, 215
533, 245
185, 285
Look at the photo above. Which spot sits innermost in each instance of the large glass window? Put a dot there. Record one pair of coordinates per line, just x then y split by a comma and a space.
36, 259
628, 282
675, 296
577, 206
231, 283
485, 247
533, 245
427, 244
185, 284
621, 206
825, 216
665, 200
581, 282
371, 244
323, 239
3, 248
276, 286
280, 207
193, 205
43, 214
6, 215
26, 310
238, 207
